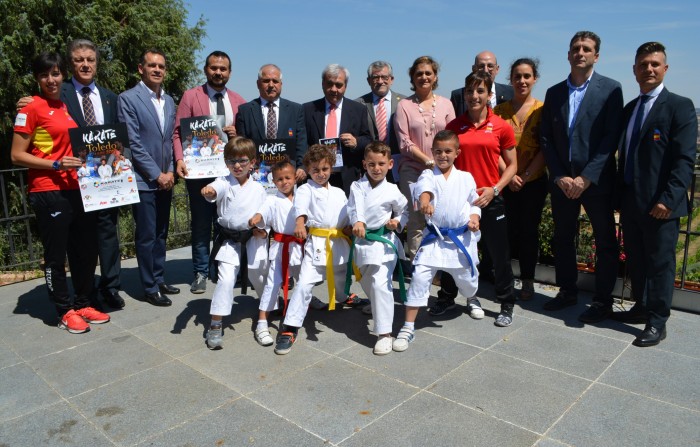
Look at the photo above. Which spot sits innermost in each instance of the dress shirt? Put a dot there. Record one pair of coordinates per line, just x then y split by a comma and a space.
493, 100
158, 103
94, 98
227, 105
387, 107
338, 109
264, 109
576, 95
647, 107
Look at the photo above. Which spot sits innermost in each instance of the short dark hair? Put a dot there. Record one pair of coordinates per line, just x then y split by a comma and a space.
45, 61
533, 63
586, 35
474, 79
220, 54
649, 48
423, 60
239, 146
282, 164
446, 135
318, 152
377, 147
152, 50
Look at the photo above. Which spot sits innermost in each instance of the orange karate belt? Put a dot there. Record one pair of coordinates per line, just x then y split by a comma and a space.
329, 233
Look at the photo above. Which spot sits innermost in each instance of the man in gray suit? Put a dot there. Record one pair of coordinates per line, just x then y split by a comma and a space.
578, 136
487, 63
149, 114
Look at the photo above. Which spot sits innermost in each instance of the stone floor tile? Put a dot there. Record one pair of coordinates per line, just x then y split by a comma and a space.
23, 392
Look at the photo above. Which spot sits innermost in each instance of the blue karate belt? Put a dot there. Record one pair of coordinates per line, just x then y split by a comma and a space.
452, 234
376, 235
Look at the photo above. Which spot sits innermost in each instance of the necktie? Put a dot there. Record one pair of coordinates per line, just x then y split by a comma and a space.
271, 121
88, 109
332, 124
634, 140
220, 109
381, 120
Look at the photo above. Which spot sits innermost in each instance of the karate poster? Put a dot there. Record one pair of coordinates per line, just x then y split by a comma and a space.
334, 144
269, 152
203, 142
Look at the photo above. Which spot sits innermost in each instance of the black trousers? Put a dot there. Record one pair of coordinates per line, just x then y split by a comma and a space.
66, 229
494, 239
108, 249
152, 217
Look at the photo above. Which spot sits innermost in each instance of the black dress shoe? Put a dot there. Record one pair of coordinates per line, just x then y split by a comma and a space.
158, 299
636, 315
113, 299
168, 289
561, 301
650, 336
596, 313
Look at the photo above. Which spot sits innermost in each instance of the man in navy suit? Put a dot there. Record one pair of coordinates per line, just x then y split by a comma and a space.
351, 126
487, 63
252, 119
657, 152
149, 114
580, 124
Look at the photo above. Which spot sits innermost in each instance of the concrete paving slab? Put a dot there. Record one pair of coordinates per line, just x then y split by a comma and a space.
529, 396
333, 398
572, 351
682, 334
429, 420
7, 356
608, 417
150, 402
23, 392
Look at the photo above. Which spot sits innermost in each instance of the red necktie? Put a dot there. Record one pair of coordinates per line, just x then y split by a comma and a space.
381, 120
332, 123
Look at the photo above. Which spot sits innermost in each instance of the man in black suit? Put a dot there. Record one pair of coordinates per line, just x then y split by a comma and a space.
254, 119
657, 152
351, 128
84, 57
580, 125
485, 62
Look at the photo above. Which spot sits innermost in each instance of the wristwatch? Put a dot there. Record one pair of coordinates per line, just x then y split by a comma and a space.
495, 191
56, 165
430, 164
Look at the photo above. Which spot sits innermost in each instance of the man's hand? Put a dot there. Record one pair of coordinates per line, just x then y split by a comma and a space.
166, 180
181, 169
300, 175
348, 140
358, 230
660, 211
23, 102
230, 131
209, 193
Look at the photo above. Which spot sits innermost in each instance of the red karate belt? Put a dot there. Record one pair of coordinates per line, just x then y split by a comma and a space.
286, 239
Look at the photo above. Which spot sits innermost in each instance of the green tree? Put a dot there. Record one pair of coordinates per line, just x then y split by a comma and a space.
121, 29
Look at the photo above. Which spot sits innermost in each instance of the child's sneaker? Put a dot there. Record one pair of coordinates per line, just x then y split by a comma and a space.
317, 304
285, 340
263, 337
92, 315
73, 323
474, 309
215, 338
441, 306
505, 318
355, 301
383, 346
406, 336
367, 310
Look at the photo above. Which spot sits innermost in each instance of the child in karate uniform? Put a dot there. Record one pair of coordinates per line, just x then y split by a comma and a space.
237, 199
445, 195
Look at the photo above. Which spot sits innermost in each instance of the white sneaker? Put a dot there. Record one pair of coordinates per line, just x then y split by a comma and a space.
383, 346
405, 337
317, 304
474, 308
263, 337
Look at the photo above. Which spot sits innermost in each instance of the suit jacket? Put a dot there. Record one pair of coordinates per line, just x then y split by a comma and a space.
290, 124
368, 101
504, 92
663, 161
353, 120
593, 139
151, 146
70, 99
195, 102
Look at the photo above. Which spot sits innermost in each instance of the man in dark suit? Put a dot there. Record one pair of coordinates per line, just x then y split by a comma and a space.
351, 124
210, 98
149, 114
657, 152
254, 119
580, 124
84, 57
485, 62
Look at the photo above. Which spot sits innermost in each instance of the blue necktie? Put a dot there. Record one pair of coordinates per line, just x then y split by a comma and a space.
634, 140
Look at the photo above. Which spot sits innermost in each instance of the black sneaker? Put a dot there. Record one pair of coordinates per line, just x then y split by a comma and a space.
596, 313
285, 340
562, 300
441, 306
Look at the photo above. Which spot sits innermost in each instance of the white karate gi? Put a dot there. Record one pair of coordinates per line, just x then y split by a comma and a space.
324, 207
376, 260
452, 200
235, 205
277, 213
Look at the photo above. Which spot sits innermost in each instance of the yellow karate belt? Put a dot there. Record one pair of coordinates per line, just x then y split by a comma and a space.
329, 233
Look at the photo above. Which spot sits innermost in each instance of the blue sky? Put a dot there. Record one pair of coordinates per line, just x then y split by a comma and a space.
302, 37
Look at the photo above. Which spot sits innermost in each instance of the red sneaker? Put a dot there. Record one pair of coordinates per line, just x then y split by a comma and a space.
92, 315
73, 323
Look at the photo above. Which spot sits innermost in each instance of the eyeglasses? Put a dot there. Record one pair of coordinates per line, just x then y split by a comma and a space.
234, 161
376, 78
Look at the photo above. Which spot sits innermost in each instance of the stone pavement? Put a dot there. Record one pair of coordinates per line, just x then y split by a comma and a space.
147, 379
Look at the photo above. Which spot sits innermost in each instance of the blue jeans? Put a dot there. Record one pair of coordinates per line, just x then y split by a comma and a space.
202, 219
